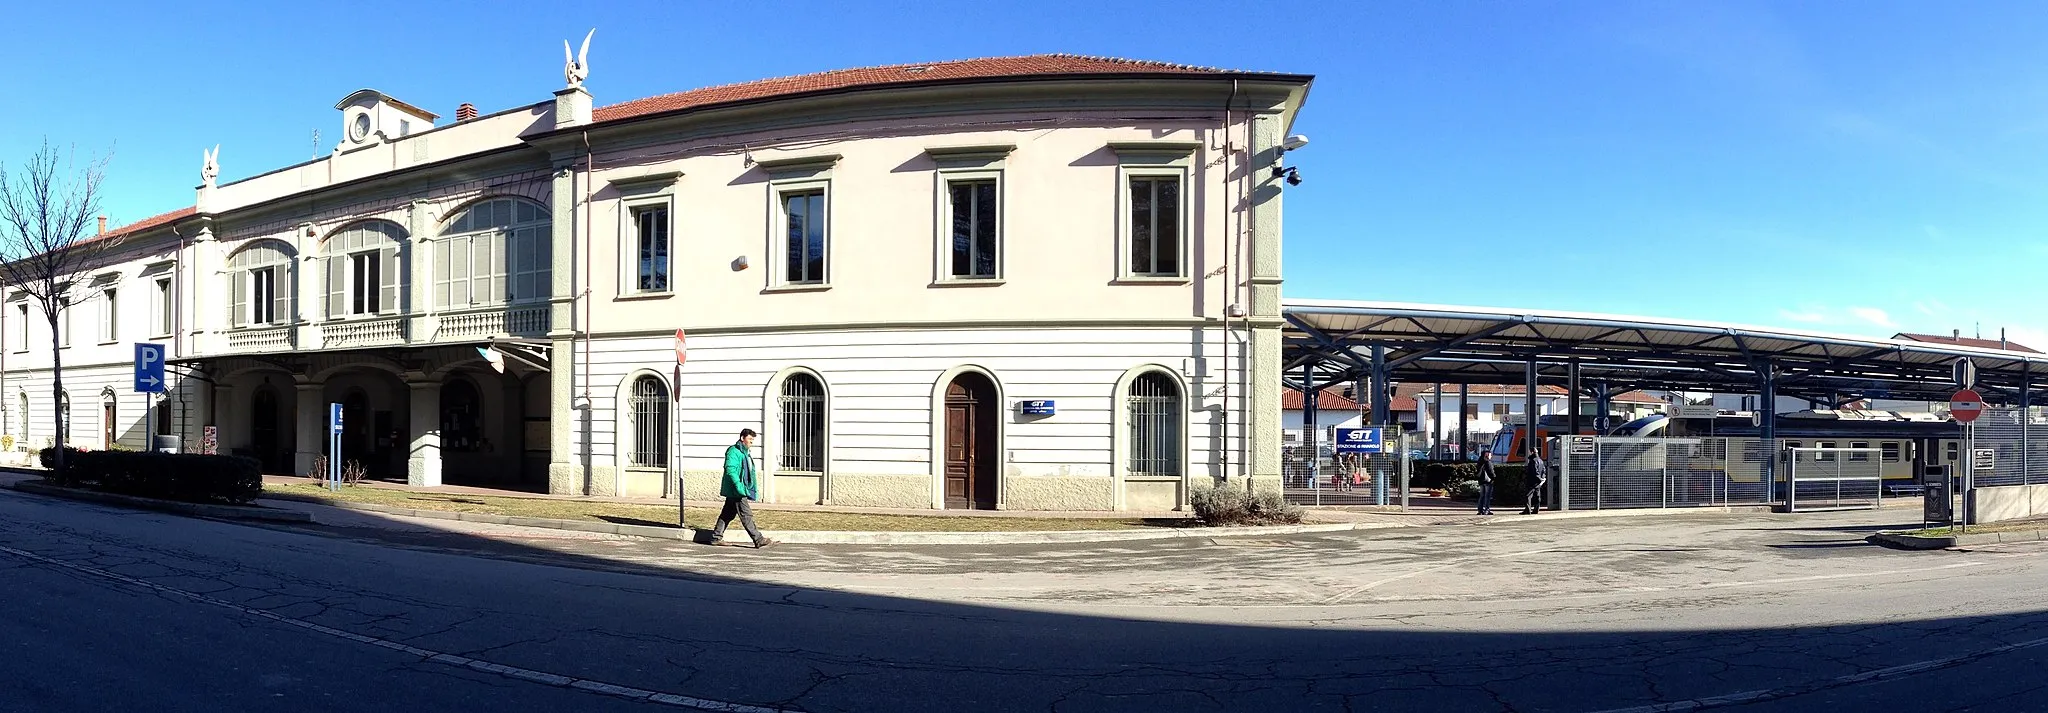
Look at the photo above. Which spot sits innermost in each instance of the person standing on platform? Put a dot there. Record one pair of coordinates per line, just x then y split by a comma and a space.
1539, 475
1485, 483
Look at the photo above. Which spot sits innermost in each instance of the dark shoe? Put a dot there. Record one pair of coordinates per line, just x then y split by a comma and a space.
763, 543
714, 542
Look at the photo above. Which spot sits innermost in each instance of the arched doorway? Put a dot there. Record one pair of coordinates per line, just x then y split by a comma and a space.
357, 435
263, 431
971, 442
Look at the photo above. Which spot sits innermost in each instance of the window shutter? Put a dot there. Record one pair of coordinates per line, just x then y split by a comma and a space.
238, 300
337, 285
282, 293
387, 301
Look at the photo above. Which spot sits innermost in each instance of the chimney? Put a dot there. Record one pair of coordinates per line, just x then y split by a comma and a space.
1956, 334
2001, 338
465, 112
103, 225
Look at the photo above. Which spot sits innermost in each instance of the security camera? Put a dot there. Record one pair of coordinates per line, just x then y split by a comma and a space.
1294, 143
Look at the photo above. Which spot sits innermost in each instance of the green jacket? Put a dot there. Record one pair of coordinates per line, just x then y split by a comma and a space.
739, 474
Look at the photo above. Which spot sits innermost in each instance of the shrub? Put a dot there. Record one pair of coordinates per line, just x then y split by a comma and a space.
170, 476
1227, 505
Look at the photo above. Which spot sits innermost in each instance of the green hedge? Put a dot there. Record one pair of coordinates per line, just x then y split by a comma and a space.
189, 477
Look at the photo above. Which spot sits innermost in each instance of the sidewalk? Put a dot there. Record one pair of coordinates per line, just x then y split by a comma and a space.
712, 502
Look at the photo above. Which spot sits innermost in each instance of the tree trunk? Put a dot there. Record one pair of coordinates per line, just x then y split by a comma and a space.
57, 390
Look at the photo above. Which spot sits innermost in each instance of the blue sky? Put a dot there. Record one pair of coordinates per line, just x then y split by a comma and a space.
1847, 166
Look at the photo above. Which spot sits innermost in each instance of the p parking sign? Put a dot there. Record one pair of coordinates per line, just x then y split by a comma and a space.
1361, 440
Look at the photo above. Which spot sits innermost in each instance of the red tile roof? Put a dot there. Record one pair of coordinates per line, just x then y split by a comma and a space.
1333, 400
2010, 346
1038, 65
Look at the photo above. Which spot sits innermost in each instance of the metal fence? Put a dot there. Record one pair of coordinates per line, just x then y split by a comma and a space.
1321, 477
1598, 473
2017, 446
1833, 478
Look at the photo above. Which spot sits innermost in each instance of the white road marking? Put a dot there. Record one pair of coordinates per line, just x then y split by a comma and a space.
541, 677
1881, 674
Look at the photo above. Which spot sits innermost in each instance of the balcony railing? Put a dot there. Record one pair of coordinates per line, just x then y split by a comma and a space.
260, 339
525, 321
362, 333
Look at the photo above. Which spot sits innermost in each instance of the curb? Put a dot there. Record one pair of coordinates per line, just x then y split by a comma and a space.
827, 537
226, 512
1917, 542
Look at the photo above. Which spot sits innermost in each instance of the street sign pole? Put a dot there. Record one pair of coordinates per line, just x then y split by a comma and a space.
334, 446
675, 456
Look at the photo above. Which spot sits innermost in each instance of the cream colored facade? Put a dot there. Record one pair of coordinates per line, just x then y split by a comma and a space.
404, 259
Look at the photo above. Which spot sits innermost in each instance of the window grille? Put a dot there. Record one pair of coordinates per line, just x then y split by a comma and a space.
649, 406
803, 424
1155, 409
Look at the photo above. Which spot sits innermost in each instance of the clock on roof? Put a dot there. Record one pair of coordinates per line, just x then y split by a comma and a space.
359, 127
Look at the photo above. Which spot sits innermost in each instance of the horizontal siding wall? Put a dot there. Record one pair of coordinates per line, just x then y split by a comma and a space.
880, 385
87, 385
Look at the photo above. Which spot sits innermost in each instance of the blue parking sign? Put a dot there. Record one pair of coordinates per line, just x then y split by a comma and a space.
149, 368
1360, 440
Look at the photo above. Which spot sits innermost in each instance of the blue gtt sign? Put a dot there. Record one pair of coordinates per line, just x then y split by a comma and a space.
1360, 440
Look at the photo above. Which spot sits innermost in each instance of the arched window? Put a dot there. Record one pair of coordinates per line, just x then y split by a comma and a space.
108, 436
363, 277
649, 406
260, 285
803, 424
1155, 416
494, 251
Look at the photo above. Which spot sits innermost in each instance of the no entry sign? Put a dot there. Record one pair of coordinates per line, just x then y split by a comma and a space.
1965, 406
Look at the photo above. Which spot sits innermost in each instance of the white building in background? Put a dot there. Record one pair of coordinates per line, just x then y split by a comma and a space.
1046, 282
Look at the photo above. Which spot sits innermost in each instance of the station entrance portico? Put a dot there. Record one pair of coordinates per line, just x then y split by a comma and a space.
422, 416
1368, 347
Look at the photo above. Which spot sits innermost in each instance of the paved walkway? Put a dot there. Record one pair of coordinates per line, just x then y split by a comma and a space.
490, 492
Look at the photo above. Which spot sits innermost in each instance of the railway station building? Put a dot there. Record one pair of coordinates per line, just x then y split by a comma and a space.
1046, 282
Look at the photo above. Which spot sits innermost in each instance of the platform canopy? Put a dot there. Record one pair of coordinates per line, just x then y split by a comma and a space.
1327, 342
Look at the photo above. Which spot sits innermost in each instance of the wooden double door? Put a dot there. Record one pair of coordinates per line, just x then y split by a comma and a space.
971, 442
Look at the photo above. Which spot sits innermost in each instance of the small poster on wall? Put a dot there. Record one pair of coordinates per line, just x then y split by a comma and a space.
209, 443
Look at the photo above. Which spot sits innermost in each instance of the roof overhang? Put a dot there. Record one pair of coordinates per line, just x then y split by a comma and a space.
1424, 343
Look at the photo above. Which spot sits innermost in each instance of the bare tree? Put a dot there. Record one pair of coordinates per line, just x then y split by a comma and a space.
46, 208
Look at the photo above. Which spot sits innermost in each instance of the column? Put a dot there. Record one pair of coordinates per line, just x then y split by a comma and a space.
1262, 246
1767, 428
1436, 423
309, 436
419, 274
1464, 437
1572, 387
1382, 392
423, 462
1529, 410
568, 474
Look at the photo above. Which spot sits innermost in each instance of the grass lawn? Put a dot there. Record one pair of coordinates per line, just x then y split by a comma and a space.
665, 516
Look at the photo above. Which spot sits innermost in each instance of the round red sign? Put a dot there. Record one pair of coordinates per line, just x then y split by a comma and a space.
1965, 406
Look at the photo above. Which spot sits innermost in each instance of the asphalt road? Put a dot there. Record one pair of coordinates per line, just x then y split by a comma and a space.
107, 609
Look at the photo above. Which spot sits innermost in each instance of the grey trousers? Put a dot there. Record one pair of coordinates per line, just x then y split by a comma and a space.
745, 511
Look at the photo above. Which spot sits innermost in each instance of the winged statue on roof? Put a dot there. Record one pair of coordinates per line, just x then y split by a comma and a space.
209, 168
576, 67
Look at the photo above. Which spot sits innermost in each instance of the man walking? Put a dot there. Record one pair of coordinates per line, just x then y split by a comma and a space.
738, 490
1539, 474
1485, 483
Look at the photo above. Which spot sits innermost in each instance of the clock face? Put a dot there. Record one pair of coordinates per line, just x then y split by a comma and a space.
360, 128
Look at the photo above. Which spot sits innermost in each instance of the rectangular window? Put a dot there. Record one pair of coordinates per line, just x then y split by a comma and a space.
1471, 411
64, 322
110, 315
163, 307
972, 219
650, 233
1155, 231
262, 295
1891, 451
1859, 457
365, 277
1500, 412
804, 225
21, 327
1824, 457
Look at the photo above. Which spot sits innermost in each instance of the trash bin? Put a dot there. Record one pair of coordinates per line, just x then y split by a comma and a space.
167, 444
